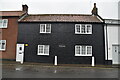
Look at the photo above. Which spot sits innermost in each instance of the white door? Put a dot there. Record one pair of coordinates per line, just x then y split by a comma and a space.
116, 54
20, 53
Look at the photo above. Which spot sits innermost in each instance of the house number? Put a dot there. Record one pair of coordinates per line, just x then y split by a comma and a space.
62, 46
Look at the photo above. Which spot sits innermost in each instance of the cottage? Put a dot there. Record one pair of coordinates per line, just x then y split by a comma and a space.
8, 33
69, 38
112, 40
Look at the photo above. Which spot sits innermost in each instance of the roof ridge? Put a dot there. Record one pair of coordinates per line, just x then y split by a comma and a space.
60, 14
12, 11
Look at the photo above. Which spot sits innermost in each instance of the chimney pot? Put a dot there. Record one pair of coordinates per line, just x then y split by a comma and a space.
25, 8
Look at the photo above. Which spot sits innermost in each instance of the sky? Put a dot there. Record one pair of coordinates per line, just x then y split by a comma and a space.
107, 9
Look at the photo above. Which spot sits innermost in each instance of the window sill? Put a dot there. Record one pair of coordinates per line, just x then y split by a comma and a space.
3, 28
83, 55
83, 33
2, 50
43, 54
45, 32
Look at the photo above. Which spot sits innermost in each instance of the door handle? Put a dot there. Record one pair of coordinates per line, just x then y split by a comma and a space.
20, 52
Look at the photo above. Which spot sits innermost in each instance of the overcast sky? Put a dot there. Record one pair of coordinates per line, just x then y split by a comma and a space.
106, 8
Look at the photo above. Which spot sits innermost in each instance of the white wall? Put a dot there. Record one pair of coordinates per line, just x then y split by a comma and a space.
112, 31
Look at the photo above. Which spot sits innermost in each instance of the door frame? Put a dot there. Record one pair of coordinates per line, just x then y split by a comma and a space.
113, 53
21, 60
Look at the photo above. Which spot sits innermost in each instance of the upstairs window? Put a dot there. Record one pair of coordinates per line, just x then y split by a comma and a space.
83, 50
45, 28
2, 45
83, 29
43, 49
3, 23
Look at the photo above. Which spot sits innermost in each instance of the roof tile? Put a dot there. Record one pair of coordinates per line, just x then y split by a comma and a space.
11, 13
60, 18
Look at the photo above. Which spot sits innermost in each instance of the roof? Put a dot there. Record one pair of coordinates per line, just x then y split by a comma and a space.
60, 18
11, 13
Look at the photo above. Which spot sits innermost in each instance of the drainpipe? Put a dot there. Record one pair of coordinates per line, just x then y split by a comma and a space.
106, 43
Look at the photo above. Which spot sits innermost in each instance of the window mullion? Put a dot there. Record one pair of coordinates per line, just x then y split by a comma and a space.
85, 28
80, 28
43, 49
48, 49
91, 29
50, 28
38, 49
0, 44
80, 50
86, 50
45, 28
91, 49
5, 44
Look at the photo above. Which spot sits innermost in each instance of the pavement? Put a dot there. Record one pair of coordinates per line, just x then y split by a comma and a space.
12, 69
59, 65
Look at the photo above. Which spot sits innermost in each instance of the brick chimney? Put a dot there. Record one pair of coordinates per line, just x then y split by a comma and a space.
95, 10
25, 8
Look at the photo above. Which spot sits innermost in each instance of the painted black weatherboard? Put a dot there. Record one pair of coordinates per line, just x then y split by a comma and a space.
61, 34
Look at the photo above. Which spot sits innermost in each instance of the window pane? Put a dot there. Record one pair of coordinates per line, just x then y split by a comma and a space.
40, 49
83, 29
42, 28
83, 50
2, 44
77, 49
46, 49
5, 21
78, 28
48, 26
88, 29
0, 23
89, 49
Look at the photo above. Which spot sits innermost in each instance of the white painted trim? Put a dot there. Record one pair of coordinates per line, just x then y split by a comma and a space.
85, 29
43, 50
20, 57
81, 50
55, 62
82, 55
3, 23
106, 50
93, 61
99, 19
45, 28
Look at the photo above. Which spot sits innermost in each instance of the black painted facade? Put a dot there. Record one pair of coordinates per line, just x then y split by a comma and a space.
62, 33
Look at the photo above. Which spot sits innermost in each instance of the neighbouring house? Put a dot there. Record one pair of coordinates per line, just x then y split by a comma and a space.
112, 31
73, 38
8, 32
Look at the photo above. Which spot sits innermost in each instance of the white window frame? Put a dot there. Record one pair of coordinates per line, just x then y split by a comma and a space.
81, 28
45, 28
1, 45
2, 24
81, 50
43, 50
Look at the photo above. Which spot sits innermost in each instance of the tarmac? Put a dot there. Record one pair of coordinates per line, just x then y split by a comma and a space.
13, 69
